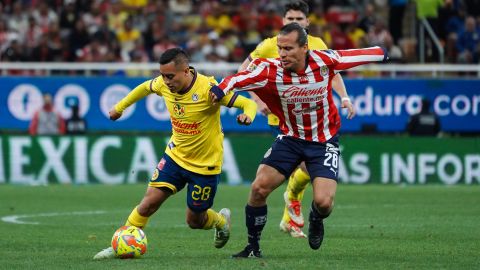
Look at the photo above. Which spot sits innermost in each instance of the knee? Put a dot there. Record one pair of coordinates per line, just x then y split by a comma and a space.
259, 191
323, 202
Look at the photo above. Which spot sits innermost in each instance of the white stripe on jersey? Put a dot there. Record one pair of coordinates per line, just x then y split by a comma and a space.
360, 58
254, 73
297, 112
279, 84
326, 122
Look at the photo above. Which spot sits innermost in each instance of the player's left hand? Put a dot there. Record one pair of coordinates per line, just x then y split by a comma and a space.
243, 119
349, 106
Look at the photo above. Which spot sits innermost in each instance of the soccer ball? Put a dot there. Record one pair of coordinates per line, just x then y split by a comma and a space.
129, 242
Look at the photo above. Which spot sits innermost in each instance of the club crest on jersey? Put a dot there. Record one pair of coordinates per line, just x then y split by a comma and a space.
251, 67
179, 110
324, 71
155, 175
195, 97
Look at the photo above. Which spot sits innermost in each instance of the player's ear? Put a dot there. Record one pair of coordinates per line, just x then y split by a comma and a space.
186, 71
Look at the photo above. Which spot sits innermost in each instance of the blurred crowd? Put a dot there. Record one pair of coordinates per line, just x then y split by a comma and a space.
224, 31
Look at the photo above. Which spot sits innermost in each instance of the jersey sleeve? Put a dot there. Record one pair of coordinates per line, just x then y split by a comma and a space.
253, 78
139, 92
345, 59
248, 106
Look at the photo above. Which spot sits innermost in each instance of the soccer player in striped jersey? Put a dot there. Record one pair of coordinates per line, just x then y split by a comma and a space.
194, 153
297, 87
292, 219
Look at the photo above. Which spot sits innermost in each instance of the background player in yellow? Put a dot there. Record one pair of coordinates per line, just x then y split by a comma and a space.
292, 220
194, 153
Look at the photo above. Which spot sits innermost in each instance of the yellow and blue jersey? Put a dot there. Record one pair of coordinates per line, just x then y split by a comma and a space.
268, 49
196, 143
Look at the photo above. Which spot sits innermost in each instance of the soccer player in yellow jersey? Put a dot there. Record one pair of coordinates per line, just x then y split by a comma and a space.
194, 153
292, 220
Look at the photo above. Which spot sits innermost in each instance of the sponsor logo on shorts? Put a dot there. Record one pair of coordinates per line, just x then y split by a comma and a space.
161, 164
267, 154
155, 175
332, 148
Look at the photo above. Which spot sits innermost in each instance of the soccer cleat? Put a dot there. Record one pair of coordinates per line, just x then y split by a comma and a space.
292, 229
222, 235
315, 231
294, 208
248, 252
107, 253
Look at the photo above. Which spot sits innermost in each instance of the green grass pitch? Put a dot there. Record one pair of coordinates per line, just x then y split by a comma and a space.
372, 227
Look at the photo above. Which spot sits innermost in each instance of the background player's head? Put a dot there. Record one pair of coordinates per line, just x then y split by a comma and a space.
175, 70
296, 11
292, 46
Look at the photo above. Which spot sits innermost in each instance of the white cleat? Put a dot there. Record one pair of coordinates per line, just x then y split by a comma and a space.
222, 235
294, 210
292, 229
107, 253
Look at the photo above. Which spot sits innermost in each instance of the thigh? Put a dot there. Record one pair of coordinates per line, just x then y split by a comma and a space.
284, 155
266, 180
168, 175
322, 159
201, 191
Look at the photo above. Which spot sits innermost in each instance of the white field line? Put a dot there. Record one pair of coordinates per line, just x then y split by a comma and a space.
17, 218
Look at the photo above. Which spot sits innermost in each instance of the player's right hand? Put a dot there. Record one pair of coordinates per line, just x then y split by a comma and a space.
244, 119
114, 115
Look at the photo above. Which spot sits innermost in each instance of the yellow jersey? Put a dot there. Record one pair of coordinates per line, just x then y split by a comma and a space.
196, 143
268, 49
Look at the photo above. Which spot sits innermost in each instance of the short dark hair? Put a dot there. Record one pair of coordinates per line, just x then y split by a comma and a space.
298, 6
295, 27
177, 55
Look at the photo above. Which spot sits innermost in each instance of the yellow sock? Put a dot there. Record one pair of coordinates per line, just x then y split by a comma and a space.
297, 184
214, 219
135, 219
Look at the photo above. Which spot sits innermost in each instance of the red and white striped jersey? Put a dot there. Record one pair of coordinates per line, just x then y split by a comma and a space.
302, 101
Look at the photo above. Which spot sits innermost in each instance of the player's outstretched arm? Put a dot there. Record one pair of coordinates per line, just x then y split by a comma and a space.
253, 79
135, 95
345, 59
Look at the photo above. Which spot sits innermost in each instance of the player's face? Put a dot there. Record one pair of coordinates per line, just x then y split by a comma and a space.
296, 16
292, 55
175, 77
